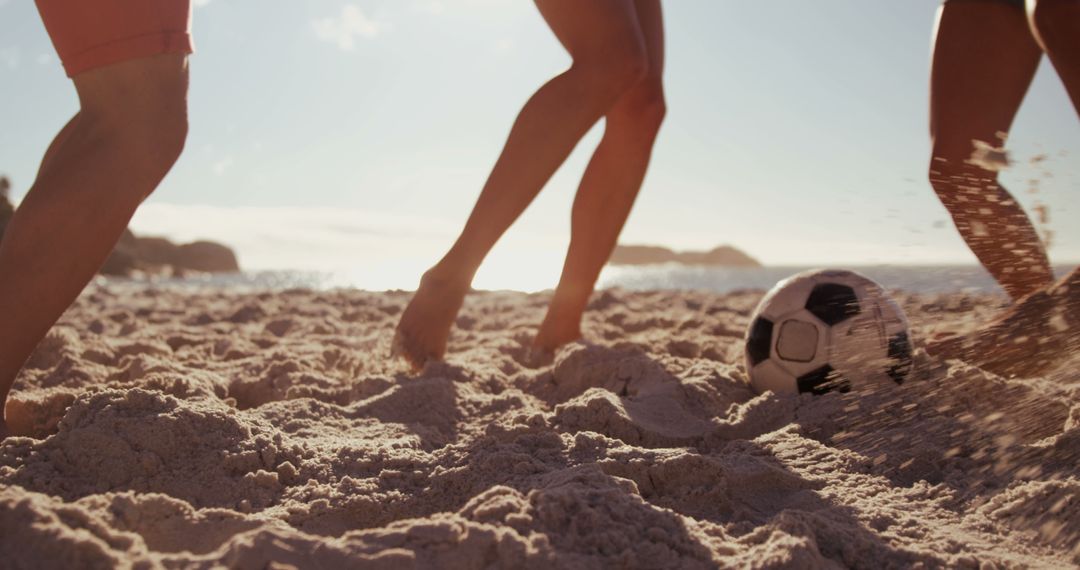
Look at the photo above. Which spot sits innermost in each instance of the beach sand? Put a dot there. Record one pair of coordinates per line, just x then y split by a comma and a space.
185, 428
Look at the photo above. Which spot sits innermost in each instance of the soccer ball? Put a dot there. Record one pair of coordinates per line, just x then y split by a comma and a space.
825, 330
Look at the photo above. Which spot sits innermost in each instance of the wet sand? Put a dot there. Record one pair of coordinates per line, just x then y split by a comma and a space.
215, 428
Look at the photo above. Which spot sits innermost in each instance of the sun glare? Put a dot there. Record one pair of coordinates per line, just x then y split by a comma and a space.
527, 270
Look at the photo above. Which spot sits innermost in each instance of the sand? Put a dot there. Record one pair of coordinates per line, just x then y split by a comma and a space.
187, 428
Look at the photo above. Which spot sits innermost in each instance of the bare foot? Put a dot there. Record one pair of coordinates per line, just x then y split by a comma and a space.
1029, 339
536, 357
561, 326
424, 327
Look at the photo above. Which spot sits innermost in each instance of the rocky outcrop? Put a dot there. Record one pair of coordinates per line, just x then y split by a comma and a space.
153, 255
123, 259
724, 255
206, 256
160, 256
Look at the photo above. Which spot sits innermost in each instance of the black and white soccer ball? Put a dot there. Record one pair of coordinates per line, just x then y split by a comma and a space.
825, 330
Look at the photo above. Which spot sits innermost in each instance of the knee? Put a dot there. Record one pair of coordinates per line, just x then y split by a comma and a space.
949, 177
965, 188
941, 173
629, 66
171, 136
961, 160
1055, 21
616, 71
152, 134
140, 110
940, 181
162, 132
644, 106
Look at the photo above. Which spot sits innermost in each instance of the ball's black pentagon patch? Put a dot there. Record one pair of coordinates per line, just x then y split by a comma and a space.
759, 340
900, 354
822, 381
833, 303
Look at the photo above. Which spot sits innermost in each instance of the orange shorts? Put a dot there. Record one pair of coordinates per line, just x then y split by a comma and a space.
89, 34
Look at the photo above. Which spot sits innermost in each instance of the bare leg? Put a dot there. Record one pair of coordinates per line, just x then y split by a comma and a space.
1033, 334
128, 133
1056, 24
1029, 339
608, 54
609, 187
983, 63
57, 142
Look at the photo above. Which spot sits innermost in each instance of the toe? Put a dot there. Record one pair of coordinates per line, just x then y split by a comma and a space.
397, 346
405, 348
538, 357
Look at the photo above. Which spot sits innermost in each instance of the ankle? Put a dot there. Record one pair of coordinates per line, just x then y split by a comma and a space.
568, 304
446, 275
549, 343
557, 330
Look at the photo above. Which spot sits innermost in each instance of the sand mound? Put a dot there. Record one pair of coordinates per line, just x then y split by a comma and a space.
207, 429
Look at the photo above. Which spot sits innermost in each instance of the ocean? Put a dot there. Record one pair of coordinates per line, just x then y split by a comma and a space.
916, 279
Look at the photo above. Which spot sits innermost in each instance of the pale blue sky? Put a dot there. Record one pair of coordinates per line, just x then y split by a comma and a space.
330, 134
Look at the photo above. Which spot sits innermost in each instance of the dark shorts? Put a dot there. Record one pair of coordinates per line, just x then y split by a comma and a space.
93, 33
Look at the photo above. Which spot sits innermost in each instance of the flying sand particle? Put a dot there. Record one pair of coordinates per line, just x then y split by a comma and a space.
989, 157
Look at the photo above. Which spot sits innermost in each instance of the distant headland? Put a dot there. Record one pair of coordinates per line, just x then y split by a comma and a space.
724, 255
148, 255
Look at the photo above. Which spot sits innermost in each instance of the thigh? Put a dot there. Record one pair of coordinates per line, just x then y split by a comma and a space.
594, 29
136, 89
647, 95
984, 59
89, 34
651, 22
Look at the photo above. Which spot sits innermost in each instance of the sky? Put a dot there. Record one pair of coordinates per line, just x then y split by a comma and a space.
355, 135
